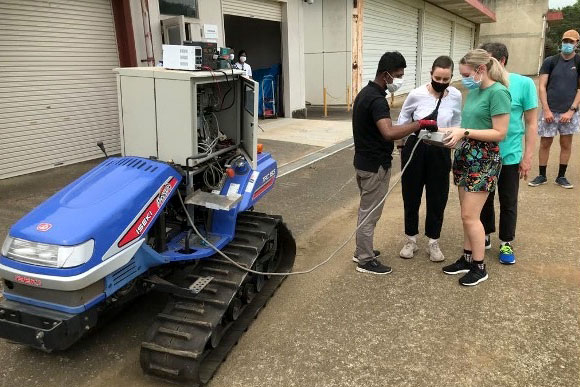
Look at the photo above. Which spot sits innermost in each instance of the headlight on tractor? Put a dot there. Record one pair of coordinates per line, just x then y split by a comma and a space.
43, 254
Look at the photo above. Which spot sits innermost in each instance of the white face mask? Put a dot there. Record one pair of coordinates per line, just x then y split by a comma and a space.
242, 59
396, 85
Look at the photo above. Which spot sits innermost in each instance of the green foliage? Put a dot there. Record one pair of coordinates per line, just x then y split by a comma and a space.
556, 30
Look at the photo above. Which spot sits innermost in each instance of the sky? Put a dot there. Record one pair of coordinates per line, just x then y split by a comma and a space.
561, 3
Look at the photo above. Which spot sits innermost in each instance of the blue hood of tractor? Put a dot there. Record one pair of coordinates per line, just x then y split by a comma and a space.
100, 205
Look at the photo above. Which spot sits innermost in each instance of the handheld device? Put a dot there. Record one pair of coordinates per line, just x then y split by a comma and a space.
434, 138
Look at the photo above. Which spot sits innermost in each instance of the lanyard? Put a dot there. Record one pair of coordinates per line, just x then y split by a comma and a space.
436, 111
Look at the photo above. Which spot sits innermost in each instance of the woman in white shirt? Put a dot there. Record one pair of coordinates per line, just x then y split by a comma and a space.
430, 165
242, 65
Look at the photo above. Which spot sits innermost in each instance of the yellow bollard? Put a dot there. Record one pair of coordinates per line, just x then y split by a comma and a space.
324, 102
347, 98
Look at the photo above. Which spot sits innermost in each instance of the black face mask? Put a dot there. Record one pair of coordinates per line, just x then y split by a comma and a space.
439, 87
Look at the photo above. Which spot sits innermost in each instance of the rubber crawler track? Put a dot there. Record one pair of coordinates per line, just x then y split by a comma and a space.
178, 345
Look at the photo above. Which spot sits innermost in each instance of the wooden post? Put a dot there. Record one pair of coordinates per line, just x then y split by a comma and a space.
347, 98
357, 43
324, 102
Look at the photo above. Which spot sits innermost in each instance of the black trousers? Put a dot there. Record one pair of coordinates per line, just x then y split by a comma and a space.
508, 187
428, 169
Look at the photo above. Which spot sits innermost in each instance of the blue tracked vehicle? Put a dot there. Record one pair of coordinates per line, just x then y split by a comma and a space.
125, 228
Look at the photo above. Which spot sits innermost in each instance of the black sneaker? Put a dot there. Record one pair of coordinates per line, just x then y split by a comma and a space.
488, 242
460, 266
374, 267
563, 182
539, 180
376, 252
474, 276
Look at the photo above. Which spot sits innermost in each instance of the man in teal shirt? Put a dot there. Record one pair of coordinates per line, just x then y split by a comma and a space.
516, 159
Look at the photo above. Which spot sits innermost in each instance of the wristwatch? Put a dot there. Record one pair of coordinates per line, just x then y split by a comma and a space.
574, 108
466, 133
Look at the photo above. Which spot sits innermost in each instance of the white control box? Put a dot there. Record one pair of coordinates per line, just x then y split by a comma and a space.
182, 57
160, 111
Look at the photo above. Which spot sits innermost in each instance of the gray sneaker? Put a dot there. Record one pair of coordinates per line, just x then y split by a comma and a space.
435, 254
539, 180
409, 249
564, 183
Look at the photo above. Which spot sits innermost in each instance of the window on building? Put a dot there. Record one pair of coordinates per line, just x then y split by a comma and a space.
186, 8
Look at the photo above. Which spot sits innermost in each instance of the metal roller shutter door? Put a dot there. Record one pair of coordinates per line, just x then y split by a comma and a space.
58, 91
463, 43
258, 9
390, 26
437, 36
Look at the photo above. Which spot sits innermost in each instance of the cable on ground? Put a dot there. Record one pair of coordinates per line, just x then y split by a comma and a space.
244, 268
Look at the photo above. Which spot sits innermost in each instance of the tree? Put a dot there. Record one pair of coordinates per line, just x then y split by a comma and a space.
556, 30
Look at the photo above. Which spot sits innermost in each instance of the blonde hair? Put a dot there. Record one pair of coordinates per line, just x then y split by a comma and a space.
495, 70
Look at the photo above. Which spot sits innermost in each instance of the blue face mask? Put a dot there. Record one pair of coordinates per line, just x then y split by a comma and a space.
567, 48
470, 83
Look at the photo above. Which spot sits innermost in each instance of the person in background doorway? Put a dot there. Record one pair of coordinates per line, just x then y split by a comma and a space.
374, 133
431, 164
516, 163
477, 162
560, 96
242, 65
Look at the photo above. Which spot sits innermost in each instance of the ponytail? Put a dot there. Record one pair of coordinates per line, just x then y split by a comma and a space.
495, 71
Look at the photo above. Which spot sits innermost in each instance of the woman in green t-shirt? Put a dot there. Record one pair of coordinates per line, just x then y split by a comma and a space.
477, 162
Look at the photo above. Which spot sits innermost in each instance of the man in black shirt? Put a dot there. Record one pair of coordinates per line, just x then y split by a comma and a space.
374, 133
560, 96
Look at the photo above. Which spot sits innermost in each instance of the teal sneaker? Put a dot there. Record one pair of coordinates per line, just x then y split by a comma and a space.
506, 254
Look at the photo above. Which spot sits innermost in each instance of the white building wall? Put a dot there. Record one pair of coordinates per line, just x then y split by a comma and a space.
328, 27
328, 50
520, 26
293, 57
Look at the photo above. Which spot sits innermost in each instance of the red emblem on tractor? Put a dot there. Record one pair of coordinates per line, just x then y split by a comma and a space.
28, 280
43, 227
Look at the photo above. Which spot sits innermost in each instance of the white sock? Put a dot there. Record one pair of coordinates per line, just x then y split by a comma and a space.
412, 238
502, 243
431, 241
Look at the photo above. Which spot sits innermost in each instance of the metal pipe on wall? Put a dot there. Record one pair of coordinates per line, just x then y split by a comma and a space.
542, 44
147, 32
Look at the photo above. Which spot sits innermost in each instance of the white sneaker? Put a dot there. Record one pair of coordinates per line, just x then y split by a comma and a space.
435, 254
408, 250
488, 242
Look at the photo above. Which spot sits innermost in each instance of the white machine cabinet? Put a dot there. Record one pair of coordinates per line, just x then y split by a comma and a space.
164, 113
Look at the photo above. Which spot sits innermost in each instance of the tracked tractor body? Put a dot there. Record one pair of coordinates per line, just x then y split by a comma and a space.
152, 220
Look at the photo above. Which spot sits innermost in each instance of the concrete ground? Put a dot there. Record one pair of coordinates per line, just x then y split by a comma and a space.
337, 327
334, 113
320, 132
418, 327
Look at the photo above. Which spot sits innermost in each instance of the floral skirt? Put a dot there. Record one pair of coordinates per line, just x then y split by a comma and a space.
477, 165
